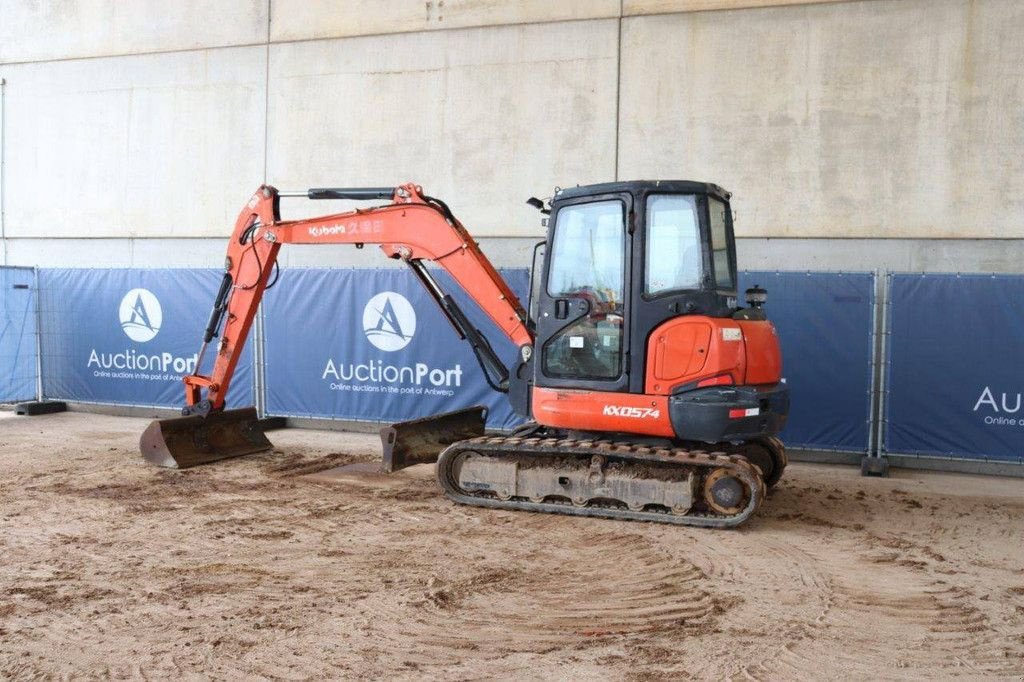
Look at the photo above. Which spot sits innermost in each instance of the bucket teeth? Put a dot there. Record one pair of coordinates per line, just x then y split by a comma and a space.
184, 442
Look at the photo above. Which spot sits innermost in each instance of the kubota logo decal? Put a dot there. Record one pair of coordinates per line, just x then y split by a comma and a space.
326, 230
141, 315
389, 321
631, 412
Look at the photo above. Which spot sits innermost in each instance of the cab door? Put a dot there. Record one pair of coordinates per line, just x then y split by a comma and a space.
582, 317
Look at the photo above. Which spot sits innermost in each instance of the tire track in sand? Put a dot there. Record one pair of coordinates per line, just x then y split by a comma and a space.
911, 623
594, 586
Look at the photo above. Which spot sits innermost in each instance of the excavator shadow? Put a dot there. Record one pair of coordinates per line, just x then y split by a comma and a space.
370, 475
409, 444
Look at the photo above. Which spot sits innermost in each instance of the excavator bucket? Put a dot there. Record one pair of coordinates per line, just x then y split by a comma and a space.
185, 442
420, 441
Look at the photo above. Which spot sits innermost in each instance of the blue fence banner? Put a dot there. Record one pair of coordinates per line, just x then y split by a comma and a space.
17, 334
825, 326
372, 345
955, 381
129, 336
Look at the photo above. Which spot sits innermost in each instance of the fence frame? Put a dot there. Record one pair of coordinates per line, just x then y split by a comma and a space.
39, 336
34, 291
118, 408
843, 455
879, 403
937, 462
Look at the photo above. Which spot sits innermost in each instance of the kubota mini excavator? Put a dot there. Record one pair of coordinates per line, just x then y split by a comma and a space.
652, 395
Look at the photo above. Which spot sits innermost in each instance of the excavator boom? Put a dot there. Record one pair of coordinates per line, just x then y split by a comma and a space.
413, 228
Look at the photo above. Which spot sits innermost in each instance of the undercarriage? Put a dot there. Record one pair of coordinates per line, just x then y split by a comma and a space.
715, 487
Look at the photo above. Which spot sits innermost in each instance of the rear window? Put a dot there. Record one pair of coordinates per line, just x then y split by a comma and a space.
720, 245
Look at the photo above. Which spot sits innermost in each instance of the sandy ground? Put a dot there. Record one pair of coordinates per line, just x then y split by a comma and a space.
246, 569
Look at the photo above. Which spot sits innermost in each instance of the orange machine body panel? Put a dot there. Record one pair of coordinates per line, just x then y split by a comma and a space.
692, 348
602, 411
764, 355
687, 350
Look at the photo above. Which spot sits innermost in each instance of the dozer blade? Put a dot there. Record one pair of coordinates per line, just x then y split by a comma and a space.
184, 442
420, 441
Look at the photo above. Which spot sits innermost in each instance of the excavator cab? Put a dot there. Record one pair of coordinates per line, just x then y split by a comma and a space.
623, 257
635, 299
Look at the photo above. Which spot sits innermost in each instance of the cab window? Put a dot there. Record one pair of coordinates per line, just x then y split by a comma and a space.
588, 252
673, 259
720, 245
588, 261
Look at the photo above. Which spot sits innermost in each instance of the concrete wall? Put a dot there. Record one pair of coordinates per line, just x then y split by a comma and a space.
480, 117
150, 145
855, 134
897, 118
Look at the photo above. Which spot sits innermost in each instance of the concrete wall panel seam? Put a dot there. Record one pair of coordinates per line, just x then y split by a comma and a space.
116, 55
632, 8
894, 255
324, 19
266, 94
63, 29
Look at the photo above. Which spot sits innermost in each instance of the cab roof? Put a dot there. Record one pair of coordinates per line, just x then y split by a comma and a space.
642, 187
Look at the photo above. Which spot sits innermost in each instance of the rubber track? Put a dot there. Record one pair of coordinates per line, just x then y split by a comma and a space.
517, 448
778, 451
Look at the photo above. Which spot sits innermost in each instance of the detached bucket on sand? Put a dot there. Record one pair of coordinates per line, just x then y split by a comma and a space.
420, 441
184, 442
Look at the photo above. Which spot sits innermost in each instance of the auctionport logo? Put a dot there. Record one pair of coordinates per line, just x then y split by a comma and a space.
141, 315
389, 321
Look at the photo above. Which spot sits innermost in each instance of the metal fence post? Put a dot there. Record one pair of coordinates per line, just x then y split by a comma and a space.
875, 463
873, 388
258, 374
38, 334
883, 387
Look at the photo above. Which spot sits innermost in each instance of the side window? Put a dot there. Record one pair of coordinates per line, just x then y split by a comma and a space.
588, 261
720, 244
536, 279
673, 259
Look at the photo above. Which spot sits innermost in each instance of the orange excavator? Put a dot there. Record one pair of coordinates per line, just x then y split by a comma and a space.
650, 394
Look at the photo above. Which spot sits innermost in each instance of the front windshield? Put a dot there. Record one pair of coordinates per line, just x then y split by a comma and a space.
588, 253
673, 260
588, 262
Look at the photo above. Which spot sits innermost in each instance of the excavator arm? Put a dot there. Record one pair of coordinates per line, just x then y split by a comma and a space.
413, 227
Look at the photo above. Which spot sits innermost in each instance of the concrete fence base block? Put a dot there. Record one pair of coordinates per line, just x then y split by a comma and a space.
42, 407
273, 423
874, 466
